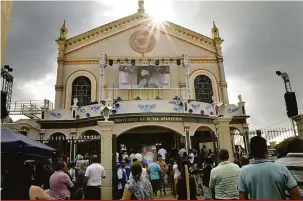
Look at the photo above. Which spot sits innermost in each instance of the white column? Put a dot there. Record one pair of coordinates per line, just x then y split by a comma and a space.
224, 136
187, 137
102, 65
106, 129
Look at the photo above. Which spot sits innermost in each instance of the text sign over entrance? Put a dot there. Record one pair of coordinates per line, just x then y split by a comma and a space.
148, 119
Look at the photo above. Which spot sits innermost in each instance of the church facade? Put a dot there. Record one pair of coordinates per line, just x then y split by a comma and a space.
137, 77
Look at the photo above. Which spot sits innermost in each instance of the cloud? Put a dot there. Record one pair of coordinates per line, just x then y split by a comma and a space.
260, 38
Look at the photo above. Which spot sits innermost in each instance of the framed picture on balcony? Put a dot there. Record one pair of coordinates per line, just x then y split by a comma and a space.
144, 77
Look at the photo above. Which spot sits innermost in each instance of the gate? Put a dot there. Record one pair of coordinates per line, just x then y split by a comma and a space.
273, 137
87, 144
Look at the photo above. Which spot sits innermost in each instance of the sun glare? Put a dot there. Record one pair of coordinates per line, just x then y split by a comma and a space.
159, 10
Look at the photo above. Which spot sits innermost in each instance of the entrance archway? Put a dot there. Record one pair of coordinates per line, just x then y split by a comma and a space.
60, 142
204, 136
149, 137
89, 143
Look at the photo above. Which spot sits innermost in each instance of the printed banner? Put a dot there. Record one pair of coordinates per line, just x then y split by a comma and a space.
144, 77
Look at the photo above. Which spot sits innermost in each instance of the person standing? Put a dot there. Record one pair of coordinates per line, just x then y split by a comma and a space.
206, 177
73, 172
138, 187
224, 178
163, 153
204, 153
244, 160
93, 176
139, 156
17, 183
181, 152
122, 178
155, 172
60, 183
163, 175
181, 184
263, 179
132, 156
191, 156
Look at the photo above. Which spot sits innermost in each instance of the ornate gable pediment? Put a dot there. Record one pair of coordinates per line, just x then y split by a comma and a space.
132, 29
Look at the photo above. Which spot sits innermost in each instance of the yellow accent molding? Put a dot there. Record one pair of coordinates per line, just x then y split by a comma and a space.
58, 87
178, 34
224, 84
96, 60
129, 19
104, 32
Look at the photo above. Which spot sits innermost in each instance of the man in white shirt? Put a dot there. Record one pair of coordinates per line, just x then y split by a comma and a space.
191, 156
92, 179
117, 157
139, 156
181, 152
162, 152
132, 156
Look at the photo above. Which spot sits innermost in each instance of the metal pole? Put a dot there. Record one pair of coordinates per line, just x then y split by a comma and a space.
102, 65
186, 70
187, 182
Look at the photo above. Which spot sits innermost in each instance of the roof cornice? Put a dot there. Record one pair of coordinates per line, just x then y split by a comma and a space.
119, 26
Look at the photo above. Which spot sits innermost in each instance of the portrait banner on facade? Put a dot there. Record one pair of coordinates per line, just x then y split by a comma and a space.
144, 77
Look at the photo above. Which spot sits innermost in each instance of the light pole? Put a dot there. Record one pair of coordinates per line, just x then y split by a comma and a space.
290, 98
6, 90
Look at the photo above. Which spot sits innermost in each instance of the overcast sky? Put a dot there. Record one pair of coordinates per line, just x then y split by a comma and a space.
260, 38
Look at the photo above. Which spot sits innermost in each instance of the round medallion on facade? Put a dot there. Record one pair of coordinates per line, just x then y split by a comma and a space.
142, 41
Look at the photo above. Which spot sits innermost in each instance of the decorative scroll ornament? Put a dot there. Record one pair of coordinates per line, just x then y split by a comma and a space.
142, 41
56, 114
147, 107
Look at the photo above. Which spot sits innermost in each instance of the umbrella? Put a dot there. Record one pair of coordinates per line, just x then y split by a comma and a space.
17, 143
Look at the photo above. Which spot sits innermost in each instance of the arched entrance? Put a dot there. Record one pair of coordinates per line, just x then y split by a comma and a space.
149, 138
204, 136
89, 143
60, 142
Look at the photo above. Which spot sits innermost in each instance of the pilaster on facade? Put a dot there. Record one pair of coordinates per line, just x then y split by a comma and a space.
187, 137
106, 130
223, 134
73, 132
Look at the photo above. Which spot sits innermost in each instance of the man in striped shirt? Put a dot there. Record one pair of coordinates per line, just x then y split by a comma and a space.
224, 177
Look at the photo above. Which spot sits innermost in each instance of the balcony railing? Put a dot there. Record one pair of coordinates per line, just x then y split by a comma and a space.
144, 94
144, 106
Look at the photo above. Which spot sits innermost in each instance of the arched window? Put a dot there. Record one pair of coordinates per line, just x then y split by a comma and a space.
203, 89
81, 89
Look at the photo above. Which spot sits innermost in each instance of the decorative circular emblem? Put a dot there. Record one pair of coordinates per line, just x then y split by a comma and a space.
142, 41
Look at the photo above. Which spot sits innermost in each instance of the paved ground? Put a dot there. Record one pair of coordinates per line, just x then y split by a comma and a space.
169, 196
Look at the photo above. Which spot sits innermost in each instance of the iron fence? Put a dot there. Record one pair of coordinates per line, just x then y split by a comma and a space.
273, 136
89, 144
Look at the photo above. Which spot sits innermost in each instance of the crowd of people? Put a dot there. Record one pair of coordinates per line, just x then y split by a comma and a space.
248, 177
168, 171
212, 177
